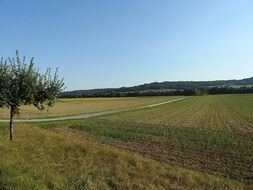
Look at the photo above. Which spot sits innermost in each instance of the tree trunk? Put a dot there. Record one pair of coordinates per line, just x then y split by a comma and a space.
11, 122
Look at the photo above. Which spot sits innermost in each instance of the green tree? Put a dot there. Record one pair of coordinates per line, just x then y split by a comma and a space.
201, 91
23, 84
3, 83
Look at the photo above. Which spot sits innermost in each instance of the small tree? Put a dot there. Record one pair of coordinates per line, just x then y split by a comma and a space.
22, 84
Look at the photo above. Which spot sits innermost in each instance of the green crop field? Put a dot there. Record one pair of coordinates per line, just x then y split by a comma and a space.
203, 142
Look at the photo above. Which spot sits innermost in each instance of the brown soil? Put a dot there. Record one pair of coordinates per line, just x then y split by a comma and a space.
200, 158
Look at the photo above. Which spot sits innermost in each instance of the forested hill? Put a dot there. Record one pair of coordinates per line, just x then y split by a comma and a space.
161, 87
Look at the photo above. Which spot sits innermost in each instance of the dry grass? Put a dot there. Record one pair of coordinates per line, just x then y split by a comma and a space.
41, 159
78, 106
210, 133
207, 135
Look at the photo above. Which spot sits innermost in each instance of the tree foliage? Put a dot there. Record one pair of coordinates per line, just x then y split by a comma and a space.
22, 84
3, 83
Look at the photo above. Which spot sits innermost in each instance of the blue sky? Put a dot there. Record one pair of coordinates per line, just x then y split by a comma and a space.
113, 43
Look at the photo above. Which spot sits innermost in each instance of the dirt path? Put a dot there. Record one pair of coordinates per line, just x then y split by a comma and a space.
89, 115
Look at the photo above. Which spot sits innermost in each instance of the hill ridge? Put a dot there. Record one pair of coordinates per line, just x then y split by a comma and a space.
165, 85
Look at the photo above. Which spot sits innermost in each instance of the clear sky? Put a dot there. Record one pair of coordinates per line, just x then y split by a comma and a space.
113, 43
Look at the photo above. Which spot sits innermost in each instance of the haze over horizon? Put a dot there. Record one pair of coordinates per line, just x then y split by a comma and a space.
110, 44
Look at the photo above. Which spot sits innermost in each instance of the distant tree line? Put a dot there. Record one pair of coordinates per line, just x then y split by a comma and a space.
184, 92
167, 88
230, 90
